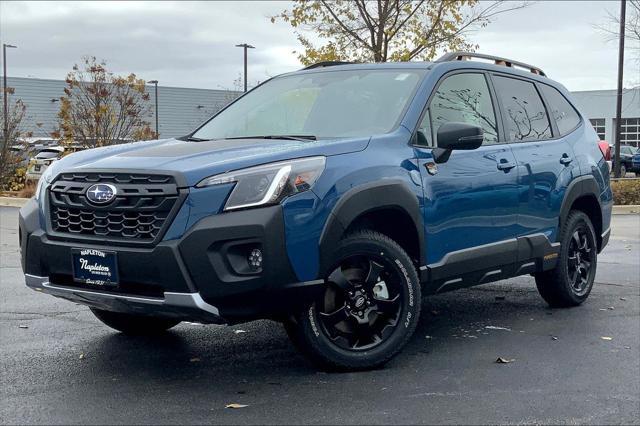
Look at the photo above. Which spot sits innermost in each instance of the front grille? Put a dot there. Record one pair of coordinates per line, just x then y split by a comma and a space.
140, 212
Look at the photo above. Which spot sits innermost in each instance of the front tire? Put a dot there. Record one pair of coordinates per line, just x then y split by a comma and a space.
134, 325
369, 310
571, 281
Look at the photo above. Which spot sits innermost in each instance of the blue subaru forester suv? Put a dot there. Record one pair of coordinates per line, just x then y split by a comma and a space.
332, 199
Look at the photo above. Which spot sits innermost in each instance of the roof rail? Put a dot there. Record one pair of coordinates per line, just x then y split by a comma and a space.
464, 56
326, 64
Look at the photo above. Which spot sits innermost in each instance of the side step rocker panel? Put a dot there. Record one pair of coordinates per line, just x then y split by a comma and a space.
490, 262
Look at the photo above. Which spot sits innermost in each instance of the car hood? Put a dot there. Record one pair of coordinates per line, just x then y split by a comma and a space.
198, 160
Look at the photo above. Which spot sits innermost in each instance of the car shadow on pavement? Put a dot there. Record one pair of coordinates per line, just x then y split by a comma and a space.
261, 350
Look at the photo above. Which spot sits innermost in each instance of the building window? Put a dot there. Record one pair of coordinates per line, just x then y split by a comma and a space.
599, 127
630, 131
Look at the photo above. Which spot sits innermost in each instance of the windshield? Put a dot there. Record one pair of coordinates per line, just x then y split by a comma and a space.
327, 104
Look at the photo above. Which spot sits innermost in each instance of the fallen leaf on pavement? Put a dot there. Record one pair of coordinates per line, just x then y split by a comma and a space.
239, 331
81, 356
623, 298
235, 406
23, 326
554, 338
606, 338
611, 308
493, 327
501, 360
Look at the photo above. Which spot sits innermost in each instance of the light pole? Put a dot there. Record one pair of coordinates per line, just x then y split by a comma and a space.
155, 83
245, 46
616, 151
4, 94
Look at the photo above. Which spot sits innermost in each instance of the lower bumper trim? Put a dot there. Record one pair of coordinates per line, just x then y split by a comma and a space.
605, 239
186, 306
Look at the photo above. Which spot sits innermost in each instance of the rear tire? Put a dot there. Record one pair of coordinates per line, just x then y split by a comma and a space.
571, 281
134, 325
369, 310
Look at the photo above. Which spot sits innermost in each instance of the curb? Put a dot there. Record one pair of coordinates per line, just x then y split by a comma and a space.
13, 201
632, 209
19, 202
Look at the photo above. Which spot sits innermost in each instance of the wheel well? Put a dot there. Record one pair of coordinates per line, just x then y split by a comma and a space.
588, 204
395, 224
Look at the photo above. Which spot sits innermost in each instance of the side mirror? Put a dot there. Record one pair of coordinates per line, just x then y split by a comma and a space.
458, 136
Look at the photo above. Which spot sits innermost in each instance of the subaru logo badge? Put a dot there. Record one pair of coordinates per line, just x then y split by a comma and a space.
101, 193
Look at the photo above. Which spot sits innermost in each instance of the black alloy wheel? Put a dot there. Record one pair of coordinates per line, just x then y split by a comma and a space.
368, 310
580, 257
362, 305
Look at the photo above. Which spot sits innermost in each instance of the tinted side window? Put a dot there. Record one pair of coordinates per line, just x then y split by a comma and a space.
462, 98
561, 110
524, 113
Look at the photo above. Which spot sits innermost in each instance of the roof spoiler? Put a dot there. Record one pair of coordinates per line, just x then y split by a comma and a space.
497, 60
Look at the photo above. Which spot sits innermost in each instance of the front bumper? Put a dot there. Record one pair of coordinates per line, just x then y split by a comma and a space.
195, 277
174, 305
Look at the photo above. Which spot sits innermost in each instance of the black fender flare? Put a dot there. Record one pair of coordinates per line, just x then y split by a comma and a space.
579, 187
385, 194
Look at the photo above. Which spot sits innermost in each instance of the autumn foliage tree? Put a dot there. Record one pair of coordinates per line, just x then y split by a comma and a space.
100, 108
387, 30
9, 161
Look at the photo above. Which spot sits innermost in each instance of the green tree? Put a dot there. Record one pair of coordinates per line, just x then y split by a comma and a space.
100, 108
387, 30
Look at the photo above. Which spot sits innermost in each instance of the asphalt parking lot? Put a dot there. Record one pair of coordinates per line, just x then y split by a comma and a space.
58, 364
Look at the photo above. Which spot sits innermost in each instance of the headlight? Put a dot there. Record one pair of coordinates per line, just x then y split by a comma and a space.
43, 182
269, 183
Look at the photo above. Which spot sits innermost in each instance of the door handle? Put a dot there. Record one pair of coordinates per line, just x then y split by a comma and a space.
505, 164
565, 159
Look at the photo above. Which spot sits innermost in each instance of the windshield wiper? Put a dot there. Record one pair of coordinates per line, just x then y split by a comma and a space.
286, 137
194, 139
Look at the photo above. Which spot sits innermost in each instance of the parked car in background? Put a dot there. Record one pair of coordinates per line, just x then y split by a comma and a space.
605, 148
42, 160
626, 154
635, 163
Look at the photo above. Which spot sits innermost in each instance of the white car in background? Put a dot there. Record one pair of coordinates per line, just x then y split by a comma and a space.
43, 159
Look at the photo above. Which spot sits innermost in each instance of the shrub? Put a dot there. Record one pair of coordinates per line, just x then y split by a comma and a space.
28, 191
14, 181
626, 191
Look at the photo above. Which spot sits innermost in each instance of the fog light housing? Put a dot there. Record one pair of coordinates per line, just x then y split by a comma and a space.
255, 259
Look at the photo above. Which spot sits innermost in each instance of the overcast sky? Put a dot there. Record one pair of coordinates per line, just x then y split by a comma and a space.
192, 44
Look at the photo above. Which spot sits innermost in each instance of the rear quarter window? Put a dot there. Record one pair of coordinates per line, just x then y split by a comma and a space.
566, 116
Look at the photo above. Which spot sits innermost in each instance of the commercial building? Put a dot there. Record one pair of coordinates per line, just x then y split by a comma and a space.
180, 109
600, 107
183, 109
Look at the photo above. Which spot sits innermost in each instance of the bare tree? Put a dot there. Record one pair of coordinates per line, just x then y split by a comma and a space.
611, 28
388, 30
